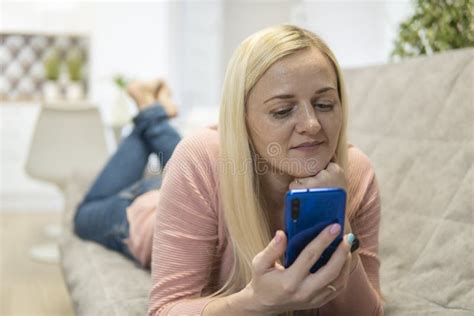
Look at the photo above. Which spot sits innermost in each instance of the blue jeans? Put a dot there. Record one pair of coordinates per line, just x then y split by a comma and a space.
101, 216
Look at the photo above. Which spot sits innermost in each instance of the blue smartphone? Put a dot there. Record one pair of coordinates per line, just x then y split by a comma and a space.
307, 213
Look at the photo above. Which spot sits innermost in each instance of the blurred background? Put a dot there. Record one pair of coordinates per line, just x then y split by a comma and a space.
187, 43
79, 55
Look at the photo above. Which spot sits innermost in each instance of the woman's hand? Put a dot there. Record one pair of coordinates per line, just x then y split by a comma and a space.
274, 289
331, 177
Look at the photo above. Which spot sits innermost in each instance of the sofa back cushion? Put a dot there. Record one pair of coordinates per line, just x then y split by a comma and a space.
415, 122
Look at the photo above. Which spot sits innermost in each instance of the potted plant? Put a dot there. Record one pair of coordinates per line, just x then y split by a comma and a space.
74, 60
51, 62
435, 26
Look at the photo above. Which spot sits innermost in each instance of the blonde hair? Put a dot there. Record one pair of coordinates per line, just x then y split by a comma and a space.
239, 191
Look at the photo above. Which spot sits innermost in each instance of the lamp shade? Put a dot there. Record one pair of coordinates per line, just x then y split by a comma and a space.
68, 139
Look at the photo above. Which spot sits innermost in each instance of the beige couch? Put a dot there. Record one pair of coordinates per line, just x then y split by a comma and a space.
415, 122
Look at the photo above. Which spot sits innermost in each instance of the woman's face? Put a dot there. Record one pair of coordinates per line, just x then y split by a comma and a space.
294, 114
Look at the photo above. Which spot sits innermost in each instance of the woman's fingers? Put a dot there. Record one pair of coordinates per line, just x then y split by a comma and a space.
312, 252
329, 273
340, 282
332, 176
295, 287
332, 290
328, 282
266, 259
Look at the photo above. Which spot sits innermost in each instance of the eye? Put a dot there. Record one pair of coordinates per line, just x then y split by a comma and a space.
324, 107
282, 113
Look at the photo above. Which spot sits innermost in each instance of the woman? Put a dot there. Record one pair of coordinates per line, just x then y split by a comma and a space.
284, 107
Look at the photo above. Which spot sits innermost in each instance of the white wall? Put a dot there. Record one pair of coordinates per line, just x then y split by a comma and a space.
195, 54
359, 32
128, 38
18, 192
243, 18
187, 42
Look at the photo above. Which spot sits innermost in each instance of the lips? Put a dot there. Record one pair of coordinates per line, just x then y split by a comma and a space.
307, 144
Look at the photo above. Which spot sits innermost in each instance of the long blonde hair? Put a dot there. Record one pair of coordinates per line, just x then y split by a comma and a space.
246, 221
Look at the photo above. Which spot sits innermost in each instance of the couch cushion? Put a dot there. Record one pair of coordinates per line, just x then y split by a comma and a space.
414, 120
100, 281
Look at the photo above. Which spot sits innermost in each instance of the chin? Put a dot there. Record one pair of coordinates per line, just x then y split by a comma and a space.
308, 167
302, 171
304, 174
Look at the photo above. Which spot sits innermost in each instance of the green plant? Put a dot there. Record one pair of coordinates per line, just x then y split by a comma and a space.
120, 81
74, 64
51, 63
437, 25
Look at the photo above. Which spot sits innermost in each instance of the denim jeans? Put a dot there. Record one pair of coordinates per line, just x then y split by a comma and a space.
101, 216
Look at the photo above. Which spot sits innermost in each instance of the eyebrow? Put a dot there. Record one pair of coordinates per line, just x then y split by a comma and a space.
289, 96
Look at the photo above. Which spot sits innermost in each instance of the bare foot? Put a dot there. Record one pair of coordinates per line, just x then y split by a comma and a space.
164, 96
148, 93
141, 94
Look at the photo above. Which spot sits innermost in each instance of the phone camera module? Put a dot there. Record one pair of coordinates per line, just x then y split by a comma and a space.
295, 209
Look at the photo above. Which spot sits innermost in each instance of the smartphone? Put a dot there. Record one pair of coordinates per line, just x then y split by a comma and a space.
307, 213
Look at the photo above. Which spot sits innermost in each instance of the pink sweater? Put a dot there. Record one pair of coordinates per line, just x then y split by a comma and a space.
191, 254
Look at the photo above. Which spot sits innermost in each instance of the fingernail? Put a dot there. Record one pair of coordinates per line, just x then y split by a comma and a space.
335, 228
355, 245
350, 239
277, 238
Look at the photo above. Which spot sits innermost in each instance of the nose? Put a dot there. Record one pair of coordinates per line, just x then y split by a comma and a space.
307, 121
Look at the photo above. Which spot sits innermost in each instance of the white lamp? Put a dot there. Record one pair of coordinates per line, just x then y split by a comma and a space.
68, 139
